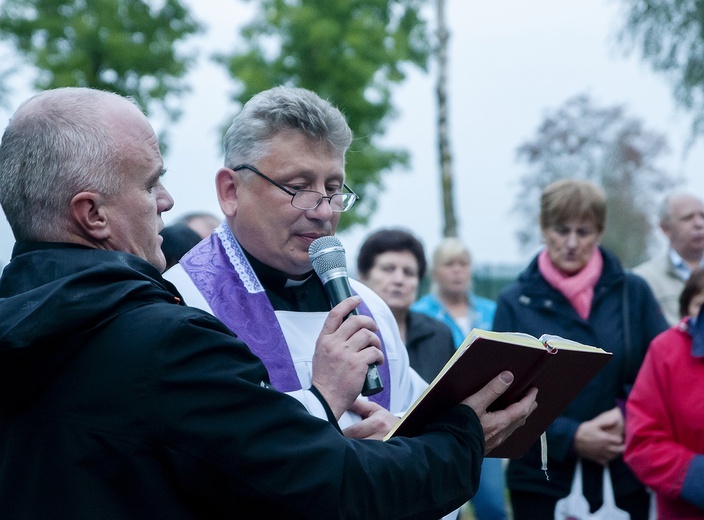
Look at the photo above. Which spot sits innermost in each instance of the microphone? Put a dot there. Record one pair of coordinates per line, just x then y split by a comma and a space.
328, 258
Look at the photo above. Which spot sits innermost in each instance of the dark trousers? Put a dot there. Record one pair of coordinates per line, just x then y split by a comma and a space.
533, 506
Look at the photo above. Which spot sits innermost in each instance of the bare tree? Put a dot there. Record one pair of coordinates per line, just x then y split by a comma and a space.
606, 146
445, 154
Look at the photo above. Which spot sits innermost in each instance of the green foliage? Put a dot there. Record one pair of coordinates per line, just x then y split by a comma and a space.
670, 34
609, 148
7, 70
349, 52
125, 46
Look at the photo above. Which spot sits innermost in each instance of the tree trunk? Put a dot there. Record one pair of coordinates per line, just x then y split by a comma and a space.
450, 221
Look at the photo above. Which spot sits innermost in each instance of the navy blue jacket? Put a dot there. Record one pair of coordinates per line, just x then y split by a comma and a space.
532, 306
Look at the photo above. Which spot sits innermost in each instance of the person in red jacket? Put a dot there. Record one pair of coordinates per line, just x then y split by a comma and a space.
665, 412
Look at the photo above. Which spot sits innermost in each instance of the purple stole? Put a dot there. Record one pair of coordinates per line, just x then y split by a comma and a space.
221, 272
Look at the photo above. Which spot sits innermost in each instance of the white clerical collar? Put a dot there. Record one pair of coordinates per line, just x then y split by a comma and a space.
296, 283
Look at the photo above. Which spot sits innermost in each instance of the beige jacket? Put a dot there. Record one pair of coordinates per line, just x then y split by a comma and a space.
665, 284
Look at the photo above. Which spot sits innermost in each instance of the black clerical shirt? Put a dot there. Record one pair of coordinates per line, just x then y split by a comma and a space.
290, 295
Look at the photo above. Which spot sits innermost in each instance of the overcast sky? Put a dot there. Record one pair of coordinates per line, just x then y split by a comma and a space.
510, 62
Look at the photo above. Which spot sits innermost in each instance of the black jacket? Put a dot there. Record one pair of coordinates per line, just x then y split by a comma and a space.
533, 306
429, 343
119, 402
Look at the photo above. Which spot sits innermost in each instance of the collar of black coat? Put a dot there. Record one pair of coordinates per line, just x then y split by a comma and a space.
54, 297
28, 246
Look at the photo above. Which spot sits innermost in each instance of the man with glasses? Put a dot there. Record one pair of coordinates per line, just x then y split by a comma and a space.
282, 187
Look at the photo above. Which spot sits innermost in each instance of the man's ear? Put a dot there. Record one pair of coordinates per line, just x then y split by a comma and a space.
89, 214
226, 183
665, 228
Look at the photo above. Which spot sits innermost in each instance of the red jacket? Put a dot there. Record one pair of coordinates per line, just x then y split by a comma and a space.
665, 423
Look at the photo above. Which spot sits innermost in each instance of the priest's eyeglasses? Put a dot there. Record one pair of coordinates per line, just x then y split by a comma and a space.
308, 199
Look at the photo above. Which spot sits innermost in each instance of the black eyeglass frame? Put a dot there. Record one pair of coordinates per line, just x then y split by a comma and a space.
294, 193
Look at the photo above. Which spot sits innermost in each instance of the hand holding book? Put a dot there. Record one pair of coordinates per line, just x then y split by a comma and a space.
499, 425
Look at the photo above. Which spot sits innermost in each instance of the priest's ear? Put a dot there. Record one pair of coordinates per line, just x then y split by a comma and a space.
227, 182
89, 215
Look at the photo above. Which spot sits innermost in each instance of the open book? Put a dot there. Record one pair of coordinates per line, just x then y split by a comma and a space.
558, 367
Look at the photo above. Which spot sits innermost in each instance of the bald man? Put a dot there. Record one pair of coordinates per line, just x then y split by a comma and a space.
682, 221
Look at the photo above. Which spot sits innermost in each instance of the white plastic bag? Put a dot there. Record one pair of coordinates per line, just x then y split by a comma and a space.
575, 507
608, 510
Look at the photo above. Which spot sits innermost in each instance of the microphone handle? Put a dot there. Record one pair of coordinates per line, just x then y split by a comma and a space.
338, 289
372, 381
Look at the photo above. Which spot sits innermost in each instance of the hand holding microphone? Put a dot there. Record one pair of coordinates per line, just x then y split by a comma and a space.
328, 259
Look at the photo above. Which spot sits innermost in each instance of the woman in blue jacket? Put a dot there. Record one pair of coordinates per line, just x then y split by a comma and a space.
453, 302
575, 289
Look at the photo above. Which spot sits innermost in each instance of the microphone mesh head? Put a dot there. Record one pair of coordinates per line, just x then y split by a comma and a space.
327, 253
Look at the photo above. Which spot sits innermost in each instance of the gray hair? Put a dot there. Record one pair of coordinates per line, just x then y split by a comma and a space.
669, 203
665, 213
55, 147
283, 109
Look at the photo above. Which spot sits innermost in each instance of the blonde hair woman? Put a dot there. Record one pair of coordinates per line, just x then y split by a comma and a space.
453, 302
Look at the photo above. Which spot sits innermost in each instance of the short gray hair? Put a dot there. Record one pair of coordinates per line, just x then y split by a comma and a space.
668, 204
55, 147
665, 213
283, 109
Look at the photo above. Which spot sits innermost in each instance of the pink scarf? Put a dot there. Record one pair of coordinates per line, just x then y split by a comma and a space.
578, 288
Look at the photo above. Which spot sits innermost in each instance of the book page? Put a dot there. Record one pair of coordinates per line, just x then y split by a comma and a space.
559, 342
517, 338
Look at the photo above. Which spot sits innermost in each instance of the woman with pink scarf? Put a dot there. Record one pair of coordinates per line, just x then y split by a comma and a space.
578, 290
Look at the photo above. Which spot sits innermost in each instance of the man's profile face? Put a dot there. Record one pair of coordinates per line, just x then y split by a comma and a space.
265, 222
685, 227
134, 214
